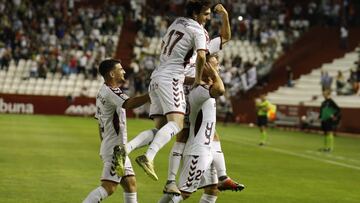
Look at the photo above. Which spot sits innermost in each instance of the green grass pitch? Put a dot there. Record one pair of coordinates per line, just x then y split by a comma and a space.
50, 159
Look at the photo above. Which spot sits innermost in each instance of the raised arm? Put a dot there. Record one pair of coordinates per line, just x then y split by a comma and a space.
225, 31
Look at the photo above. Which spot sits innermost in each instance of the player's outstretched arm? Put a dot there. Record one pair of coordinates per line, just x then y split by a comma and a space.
135, 102
225, 31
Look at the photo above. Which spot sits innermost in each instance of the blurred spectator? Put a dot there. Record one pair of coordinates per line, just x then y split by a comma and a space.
33, 70
357, 91
353, 80
84, 92
340, 83
228, 110
326, 80
312, 12
82, 64
42, 68
140, 81
5, 57
344, 35
73, 64
94, 68
290, 76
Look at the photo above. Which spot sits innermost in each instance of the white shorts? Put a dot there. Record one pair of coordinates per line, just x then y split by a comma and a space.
167, 96
197, 172
109, 173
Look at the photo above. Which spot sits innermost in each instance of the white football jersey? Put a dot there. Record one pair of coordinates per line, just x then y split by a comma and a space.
202, 121
111, 118
215, 45
183, 37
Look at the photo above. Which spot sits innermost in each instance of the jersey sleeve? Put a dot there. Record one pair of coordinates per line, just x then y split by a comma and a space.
201, 93
118, 99
189, 71
215, 45
199, 39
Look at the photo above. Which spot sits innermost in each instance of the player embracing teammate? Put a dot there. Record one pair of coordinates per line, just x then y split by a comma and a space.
191, 71
184, 47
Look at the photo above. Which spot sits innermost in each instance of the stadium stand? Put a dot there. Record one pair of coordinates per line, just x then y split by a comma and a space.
62, 60
260, 36
307, 88
66, 52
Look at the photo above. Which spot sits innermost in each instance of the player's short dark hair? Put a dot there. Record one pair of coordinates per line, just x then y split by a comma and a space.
196, 6
107, 65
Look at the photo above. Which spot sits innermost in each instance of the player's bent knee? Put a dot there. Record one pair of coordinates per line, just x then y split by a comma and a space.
159, 121
128, 183
177, 118
109, 186
180, 125
183, 135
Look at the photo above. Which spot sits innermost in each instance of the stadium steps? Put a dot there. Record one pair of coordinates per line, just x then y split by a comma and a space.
307, 88
314, 48
318, 47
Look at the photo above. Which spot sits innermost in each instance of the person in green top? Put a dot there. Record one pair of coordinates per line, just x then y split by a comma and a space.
262, 108
330, 117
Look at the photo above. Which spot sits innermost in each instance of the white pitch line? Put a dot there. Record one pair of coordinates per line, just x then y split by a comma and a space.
332, 156
303, 155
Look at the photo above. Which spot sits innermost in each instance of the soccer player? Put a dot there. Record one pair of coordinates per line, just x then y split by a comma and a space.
225, 183
197, 171
262, 108
111, 103
184, 36
330, 117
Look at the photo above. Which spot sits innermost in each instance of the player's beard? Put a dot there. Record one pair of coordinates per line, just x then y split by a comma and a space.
120, 81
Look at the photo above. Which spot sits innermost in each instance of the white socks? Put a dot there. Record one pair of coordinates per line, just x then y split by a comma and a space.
168, 198
143, 139
97, 195
175, 159
130, 197
218, 159
176, 199
162, 137
205, 198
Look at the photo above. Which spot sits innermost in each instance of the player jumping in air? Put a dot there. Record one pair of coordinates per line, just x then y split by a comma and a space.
184, 36
198, 170
225, 183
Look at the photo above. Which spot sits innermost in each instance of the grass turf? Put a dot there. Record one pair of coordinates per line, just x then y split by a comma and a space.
55, 159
